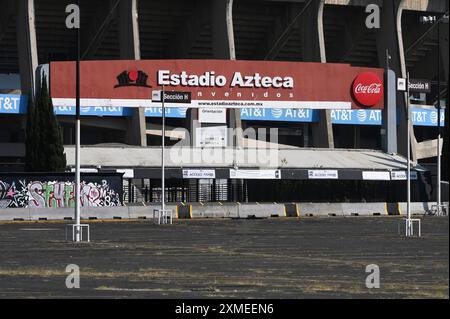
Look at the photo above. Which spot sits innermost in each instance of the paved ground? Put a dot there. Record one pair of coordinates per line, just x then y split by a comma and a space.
276, 258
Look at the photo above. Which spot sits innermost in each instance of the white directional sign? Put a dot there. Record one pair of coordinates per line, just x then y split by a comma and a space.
322, 174
214, 136
199, 173
212, 115
401, 175
255, 174
376, 176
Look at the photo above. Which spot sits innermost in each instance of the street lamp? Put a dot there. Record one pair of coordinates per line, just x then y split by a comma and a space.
78, 142
435, 21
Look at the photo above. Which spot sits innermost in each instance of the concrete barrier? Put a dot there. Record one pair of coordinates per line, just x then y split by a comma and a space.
50, 213
393, 209
10, 214
118, 212
417, 208
215, 210
260, 210
364, 209
321, 209
291, 210
342, 209
184, 211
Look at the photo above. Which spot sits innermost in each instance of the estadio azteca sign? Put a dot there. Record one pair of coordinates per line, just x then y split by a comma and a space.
219, 84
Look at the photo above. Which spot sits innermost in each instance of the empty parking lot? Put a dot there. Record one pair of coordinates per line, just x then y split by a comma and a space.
271, 258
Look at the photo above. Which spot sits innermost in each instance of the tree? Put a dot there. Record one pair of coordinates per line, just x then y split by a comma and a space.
44, 146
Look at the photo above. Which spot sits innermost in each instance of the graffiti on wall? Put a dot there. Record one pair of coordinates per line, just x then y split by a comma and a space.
13, 195
22, 194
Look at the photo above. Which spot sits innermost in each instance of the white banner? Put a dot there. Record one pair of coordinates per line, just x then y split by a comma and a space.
401, 175
212, 115
214, 136
199, 173
255, 174
376, 176
231, 104
322, 174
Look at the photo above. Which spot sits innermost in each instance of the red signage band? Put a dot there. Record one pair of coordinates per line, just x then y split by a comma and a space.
220, 83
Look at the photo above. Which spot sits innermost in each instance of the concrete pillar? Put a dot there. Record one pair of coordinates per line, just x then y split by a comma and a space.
443, 38
313, 46
130, 50
192, 124
27, 46
389, 37
389, 114
223, 48
444, 58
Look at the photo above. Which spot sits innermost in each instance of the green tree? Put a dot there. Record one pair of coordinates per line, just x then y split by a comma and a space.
44, 146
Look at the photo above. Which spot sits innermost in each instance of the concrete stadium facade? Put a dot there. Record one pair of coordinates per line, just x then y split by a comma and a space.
33, 33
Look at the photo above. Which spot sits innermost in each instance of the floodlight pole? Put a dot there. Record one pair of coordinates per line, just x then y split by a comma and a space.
77, 227
438, 199
163, 135
408, 176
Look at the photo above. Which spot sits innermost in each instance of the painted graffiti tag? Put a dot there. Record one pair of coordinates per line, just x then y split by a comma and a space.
56, 194
12, 195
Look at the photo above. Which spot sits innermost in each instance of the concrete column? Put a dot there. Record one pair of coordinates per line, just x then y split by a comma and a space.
192, 124
222, 30
27, 45
130, 50
445, 131
443, 38
224, 48
390, 38
389, 114
313, 46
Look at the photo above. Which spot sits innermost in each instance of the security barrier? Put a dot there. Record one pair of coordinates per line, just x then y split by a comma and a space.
257, 210
393, 209
416, 208
321, 209
363, 209
219, 210
291, 210
183, 211
215, 210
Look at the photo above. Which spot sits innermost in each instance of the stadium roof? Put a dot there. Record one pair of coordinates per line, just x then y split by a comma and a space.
115, 156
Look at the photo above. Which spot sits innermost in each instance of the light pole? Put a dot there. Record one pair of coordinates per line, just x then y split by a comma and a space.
408, 170
77, 142
433, 20
163, 134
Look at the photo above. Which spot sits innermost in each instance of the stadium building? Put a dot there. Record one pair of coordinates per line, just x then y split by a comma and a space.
322, 153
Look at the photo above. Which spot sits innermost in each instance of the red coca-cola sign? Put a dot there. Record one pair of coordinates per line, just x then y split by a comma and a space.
368, 89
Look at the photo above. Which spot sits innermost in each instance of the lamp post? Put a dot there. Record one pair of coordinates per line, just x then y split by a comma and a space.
433, 20
77, 142
163, 135
408, 170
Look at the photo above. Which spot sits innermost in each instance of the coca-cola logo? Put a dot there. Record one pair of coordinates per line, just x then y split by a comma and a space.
368, 89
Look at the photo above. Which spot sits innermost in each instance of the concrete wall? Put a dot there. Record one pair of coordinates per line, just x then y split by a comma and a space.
216, 210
